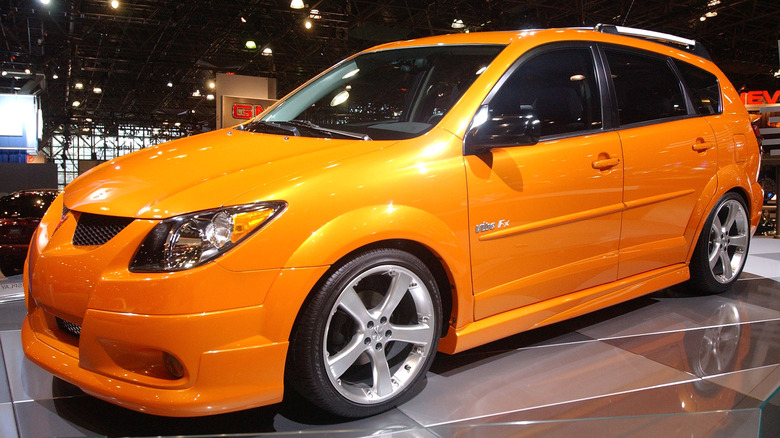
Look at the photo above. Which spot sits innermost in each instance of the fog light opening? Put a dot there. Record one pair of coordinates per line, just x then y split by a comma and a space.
174, 367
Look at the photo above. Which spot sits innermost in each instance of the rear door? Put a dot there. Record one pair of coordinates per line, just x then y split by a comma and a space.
670, 156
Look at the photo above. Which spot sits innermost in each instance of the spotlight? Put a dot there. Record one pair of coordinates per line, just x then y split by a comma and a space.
114, 4
212, 84
307, 24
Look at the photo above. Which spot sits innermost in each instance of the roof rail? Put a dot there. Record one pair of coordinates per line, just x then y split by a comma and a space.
664, 38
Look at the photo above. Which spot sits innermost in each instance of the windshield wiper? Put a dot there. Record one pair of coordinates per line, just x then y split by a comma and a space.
333, 132
262, 126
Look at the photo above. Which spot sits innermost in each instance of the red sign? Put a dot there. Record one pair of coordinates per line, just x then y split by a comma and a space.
760, 97
246, 111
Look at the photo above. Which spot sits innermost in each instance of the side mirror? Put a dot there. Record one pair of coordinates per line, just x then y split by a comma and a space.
487, 132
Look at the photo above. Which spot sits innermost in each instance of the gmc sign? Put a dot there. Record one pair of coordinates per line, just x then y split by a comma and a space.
246, 111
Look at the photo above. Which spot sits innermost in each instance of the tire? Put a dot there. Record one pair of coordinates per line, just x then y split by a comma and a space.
366, 338
722, 247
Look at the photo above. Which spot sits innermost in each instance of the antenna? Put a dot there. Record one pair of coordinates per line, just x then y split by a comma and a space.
629, 11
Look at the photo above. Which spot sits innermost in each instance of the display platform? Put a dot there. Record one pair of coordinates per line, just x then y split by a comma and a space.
662, 365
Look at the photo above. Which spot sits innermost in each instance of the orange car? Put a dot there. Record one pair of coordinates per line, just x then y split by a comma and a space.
425, 195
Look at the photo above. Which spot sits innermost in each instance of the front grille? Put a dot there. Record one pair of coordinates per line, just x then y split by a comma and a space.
69, 327
95, 229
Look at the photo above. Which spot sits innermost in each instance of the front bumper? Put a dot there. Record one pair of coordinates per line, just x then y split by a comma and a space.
118, 358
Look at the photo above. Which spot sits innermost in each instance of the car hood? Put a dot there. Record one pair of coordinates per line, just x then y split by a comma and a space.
203, 172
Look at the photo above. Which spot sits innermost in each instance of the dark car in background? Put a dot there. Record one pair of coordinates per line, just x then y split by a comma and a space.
20, 213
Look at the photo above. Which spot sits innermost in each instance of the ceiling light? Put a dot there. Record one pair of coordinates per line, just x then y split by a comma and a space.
177, 124
196, 93
45, 2
243, 20
212, 84
27, 71
55, 76
713, 3
5, 73
88, 119
267, 51
711, 14
307, 24
97, 90
458, 24
76, 104
114, 4
85, 129
169, 84
78, 86
702, 18
209, 97
297, 4
250, 44
315, 14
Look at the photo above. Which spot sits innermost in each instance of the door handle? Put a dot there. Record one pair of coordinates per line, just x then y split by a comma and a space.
606, 163
700, 145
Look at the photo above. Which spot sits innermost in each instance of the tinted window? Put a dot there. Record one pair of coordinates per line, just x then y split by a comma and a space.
703, 87
560, 86
25, 205
646, 86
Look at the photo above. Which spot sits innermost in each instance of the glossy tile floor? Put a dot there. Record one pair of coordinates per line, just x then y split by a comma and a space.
665, 364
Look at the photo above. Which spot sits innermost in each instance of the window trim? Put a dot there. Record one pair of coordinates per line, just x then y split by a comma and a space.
690, 108
601, 81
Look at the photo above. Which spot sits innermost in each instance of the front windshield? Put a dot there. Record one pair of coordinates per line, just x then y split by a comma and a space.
384, 95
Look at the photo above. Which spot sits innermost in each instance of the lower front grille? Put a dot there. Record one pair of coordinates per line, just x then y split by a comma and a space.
69, 327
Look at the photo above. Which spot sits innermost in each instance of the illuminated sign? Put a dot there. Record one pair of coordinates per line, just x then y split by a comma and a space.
238, 109
246, 111
760, 97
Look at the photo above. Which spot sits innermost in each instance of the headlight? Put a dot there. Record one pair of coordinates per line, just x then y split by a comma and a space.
190, 240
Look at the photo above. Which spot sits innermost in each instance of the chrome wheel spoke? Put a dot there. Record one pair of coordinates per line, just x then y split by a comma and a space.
725, 262
339, 363
419, 334
739, 241
398, 288
731, 217
383, 381
351, 303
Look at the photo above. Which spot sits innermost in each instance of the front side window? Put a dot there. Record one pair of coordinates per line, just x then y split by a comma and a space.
646, 87
559, 86
703, 86
389, 94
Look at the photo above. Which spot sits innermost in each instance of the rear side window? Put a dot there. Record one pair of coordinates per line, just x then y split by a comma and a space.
703, 87
559, 85
646, 87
